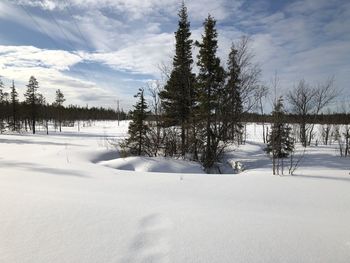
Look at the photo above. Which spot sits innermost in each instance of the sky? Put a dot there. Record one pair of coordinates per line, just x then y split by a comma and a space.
101, 51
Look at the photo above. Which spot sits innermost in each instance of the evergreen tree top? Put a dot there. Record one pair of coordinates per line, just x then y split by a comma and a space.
207, 59
14, 93
232, 62
178, 94
31, 92
183, 15
141, 105
59, 98
32, 82
183, 47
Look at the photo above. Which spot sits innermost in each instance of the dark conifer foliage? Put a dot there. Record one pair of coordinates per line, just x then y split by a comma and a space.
137, 141
210, 91
232, 105
14, 106
59, 105
2, 107
178, 96
31, 96
280, 143
59, 98
1, 91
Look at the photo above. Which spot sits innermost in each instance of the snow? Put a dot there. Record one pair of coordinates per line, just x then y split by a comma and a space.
64, 198
154, 164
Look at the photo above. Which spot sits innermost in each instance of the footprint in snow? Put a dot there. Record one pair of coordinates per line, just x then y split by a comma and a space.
151, 243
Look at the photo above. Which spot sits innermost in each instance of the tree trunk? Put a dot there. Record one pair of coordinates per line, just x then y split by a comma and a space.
183, 138
303, 134
33, 125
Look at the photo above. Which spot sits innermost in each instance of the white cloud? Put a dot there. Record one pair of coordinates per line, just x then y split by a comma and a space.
28, 56
219, 9
50, 68
142, 57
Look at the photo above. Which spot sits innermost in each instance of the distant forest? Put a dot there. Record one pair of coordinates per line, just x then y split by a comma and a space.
331, 118
35, 111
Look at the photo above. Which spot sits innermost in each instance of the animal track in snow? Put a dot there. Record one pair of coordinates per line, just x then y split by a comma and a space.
151, 244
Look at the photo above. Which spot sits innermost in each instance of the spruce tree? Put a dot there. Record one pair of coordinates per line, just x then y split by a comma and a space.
233, 102
210, 87
59, 104
280, 142
2, 107
137, 141
14, 103
1, 91
178, 95
31, 96
43, 114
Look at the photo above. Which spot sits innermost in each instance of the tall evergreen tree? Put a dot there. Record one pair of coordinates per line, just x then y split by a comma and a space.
14, 103
210, 88
137, 141
2, 107
1, 91
31, 96
178, 95
59, 104
280, 142
233, 102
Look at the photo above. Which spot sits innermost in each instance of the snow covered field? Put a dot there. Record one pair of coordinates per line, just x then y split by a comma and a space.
62, 200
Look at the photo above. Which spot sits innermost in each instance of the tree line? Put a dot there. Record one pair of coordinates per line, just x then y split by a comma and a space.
35, 111
291, 118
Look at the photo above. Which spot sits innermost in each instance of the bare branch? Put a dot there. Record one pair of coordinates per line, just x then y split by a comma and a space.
250, 73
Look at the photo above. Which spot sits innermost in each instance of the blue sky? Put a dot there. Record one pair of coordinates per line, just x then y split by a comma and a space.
100, 51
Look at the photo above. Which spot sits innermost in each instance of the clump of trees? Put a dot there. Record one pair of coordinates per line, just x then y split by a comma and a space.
197, 116
306, 103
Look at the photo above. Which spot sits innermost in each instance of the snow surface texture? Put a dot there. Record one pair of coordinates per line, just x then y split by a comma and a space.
60, 202
154, 164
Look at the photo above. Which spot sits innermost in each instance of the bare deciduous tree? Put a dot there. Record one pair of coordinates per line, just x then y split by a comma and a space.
155, 134
307, 102
250, 73
324, 94
260, 96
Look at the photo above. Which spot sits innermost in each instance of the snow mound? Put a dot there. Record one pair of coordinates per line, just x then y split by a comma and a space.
154, 164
